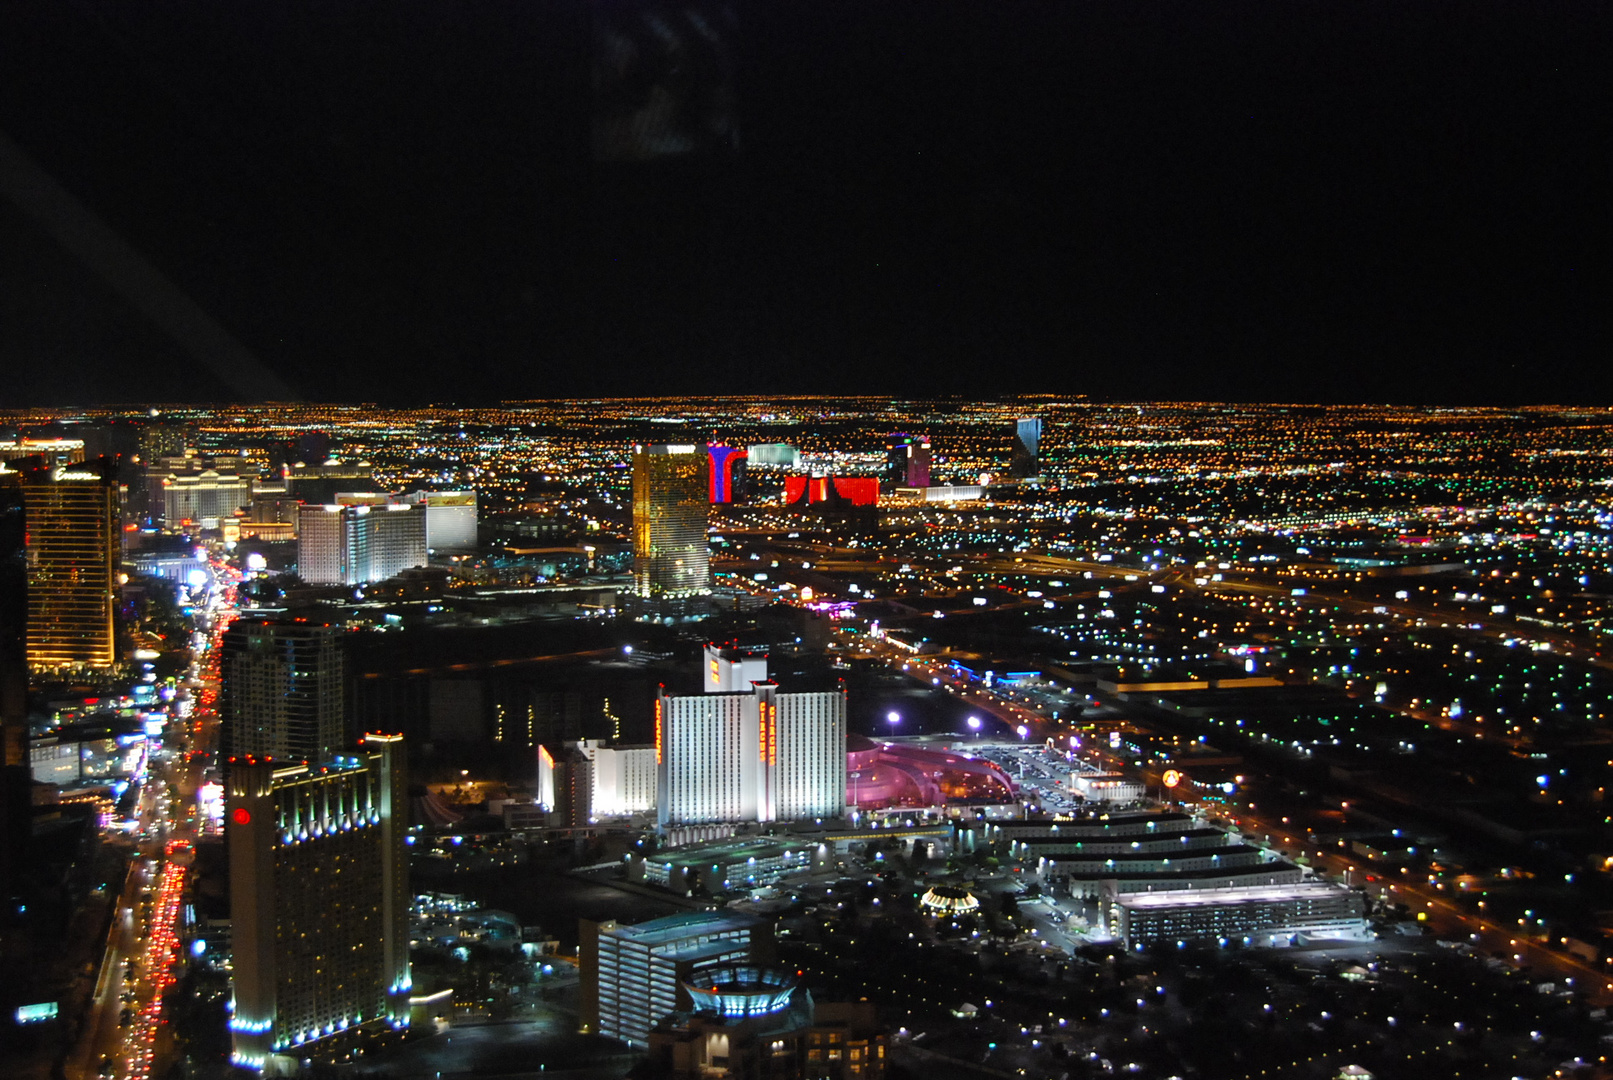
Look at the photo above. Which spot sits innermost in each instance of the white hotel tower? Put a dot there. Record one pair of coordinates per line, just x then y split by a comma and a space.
743, 751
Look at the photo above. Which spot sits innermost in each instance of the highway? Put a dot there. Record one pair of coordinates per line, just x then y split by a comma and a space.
1445, 914
125, 1035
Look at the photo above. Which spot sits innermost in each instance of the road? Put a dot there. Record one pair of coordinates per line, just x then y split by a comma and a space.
1445, 914
125, 1036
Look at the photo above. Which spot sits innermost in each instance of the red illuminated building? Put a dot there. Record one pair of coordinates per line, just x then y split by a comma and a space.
842, 490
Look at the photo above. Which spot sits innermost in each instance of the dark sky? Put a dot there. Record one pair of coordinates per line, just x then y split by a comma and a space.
409, 202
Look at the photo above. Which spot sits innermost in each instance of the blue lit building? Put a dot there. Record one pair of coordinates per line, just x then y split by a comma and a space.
1026, 459
319, 905
750, 1022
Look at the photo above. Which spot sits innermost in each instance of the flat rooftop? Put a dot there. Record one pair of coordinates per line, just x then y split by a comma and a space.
1243, 894
1166, 876
1051, 838
674, 927
728, 851
1102, 821
1152, 856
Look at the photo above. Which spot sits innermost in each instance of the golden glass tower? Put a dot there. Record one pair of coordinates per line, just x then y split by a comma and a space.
73, 551
671, 505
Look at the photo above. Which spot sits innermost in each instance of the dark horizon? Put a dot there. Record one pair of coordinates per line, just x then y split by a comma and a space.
410, 203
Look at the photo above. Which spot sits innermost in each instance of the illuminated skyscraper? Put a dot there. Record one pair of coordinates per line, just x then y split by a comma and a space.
159, 440
13, 621
1026, 461
73, 551
359, 539
907, 461
319, 904
566, 784
155, 440
735, 754
624, 779
671, 504
281, 690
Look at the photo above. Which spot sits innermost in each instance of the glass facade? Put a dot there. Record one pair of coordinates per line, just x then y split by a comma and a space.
671, 504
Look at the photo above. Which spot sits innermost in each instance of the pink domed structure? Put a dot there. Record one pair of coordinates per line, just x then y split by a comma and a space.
881, 775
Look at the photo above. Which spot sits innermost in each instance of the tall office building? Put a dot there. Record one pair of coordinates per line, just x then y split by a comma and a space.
752, 754
1026, 461
632, 976
281, 690
153, 441
907, 461
450, 519
319, 904
359, 539
671, 505
73, 551
727, 474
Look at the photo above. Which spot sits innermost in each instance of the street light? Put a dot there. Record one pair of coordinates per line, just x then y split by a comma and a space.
893, 717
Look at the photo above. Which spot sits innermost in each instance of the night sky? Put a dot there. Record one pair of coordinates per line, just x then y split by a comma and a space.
412, 202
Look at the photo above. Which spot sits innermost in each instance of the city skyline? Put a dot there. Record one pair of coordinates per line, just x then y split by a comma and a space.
1052, 705
740, 540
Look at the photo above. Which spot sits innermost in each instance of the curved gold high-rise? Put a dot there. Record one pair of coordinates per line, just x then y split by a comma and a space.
671, 505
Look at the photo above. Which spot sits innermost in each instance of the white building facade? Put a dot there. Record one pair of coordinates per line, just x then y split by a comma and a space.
753, 754
345, 544
624, 779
